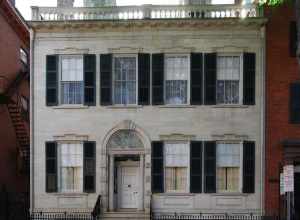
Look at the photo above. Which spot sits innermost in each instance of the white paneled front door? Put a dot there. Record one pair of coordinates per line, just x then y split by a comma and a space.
128, 186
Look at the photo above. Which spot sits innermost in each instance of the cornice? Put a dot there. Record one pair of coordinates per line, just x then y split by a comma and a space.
153, 24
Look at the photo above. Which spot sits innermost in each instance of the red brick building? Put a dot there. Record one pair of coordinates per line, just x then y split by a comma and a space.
282, 106
14, 102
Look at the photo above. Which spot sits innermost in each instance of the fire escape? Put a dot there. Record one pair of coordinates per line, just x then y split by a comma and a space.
18, 110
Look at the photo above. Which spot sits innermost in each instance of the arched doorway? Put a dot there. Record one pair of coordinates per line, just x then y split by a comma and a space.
128, 170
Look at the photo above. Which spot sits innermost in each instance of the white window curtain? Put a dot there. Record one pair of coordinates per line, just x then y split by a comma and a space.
71, 167
125, 80
72, 80
177, 73
176, 163
228, 167
228, 79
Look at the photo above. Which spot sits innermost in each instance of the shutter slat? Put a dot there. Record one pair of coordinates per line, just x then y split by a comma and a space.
249, 79
106, 79
144, 79
196, 78
157, 170
51, 167
89, 167
89, 67
210, 72
249, 167
210, 166
51, 80
295, 103
196, 167
293, 38
157, 79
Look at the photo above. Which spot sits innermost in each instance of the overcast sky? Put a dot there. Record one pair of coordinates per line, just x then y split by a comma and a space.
24, 5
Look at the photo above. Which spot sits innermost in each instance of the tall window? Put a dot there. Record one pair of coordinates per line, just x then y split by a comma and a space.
71, 80
125, 79
228, 167
176, 167
177, 75
228, 79
71, 167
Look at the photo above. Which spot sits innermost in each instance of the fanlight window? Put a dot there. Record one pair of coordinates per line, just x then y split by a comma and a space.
125, 139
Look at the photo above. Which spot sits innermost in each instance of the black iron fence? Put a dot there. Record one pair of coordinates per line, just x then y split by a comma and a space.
210, 216
62, 216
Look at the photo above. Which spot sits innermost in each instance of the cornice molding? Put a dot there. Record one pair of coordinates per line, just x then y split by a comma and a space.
136, 25
70, 138
71, 50
177, 137
229, 137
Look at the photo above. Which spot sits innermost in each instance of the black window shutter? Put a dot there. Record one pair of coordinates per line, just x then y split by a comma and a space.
51, 167
249, 79
144, 79
196, 78
293, 38
89, 166
106, 79
89, 66
249, 167
295, 103
210, 72
157, 167
196, 167
158, 79
210, 167
51, 80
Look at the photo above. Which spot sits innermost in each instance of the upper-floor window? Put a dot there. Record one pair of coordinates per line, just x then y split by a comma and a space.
176, 79
229, 80
125, 80
71, 79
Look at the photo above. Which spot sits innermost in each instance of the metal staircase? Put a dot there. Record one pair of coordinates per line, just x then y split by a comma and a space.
9, 96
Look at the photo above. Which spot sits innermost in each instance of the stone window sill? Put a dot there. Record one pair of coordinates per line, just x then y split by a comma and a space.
230, 106
124, 106
176, 106
71, 194
71, 107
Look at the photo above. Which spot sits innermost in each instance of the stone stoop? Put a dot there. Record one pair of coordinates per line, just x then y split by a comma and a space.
132, 215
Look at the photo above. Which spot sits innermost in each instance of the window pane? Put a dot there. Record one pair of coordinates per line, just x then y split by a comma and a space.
71, 167
176, 91
72, 92
228, 167
177, 73
72, 80
228, 78
177, 155
176, 179
125, 80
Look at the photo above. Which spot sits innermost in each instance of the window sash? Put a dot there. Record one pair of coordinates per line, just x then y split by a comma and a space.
176, 179
71, 167
229, 79
177, 74
176, 155
71, 80
229, 167
125, 80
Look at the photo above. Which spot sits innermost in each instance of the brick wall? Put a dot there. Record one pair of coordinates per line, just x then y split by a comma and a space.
282, 69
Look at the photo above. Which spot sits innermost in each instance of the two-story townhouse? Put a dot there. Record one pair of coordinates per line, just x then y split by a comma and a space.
150, 107
282, 113
14, 112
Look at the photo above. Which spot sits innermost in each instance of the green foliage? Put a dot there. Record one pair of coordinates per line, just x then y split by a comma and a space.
271, 2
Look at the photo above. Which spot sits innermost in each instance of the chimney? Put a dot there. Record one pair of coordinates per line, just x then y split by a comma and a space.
65, 3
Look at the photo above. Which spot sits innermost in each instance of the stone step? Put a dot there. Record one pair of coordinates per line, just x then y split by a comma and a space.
125, 215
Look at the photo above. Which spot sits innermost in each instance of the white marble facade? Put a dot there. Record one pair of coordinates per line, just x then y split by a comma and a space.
151, 123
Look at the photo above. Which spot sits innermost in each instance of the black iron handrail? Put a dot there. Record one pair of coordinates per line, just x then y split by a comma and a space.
97, 208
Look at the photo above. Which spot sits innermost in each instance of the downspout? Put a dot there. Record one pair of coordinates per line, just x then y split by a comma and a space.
263, 121
32, 42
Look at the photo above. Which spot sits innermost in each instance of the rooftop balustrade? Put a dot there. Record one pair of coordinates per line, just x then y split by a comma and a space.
202, 11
